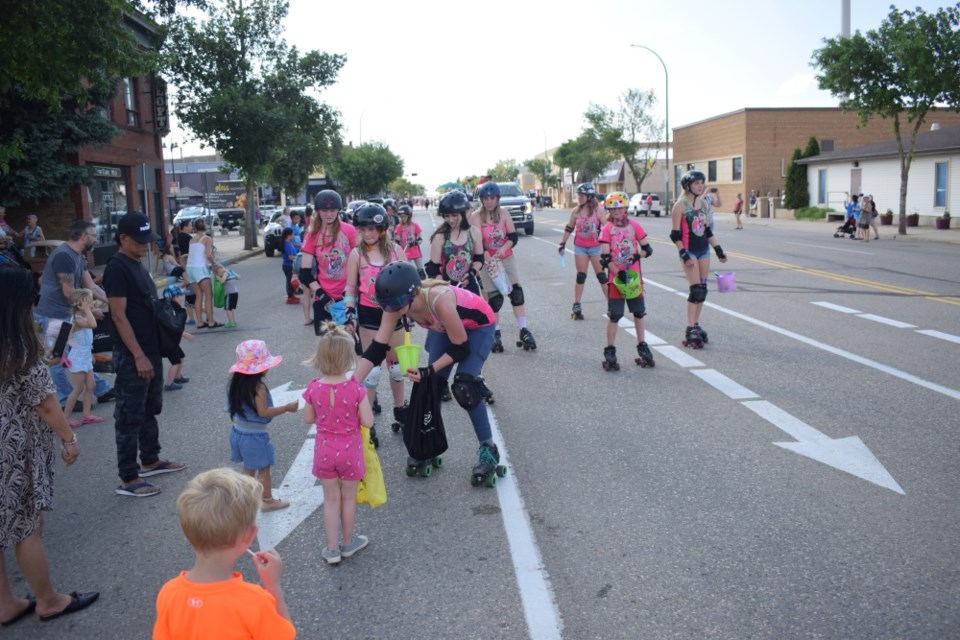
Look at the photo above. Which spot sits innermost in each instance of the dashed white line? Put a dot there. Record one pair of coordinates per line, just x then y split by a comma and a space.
723, 384
888, 321
939, 334
835, 307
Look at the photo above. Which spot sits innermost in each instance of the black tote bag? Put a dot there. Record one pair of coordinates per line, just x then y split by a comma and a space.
423, 432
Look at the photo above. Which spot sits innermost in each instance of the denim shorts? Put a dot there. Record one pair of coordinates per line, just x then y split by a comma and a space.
586, 251
703, 253
252, 448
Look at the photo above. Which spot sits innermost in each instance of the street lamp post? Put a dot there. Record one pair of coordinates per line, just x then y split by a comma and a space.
666, 123
173, 170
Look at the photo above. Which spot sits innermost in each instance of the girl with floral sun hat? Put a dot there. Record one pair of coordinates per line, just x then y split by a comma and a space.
251, 409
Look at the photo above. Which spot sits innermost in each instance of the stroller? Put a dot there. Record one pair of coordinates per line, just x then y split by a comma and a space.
849, 227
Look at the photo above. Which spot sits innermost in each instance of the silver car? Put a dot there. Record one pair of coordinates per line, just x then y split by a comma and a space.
193, 213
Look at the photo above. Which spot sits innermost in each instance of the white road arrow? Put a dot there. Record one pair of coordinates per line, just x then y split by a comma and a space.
298, 486
849, 455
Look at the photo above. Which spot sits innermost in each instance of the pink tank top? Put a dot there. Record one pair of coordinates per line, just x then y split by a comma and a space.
473, 310
495, 236
587, 229
337, 406
369, 271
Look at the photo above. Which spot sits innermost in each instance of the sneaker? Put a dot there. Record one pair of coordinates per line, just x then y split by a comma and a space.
173, 386
230, 325
331, 556
191, 321
181, 380
358, 543
273, 504
109, 396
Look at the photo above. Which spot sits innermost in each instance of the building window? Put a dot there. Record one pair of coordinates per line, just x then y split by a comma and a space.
821, 186
712, 171
940, 184
130, 101
826, 146
783, 168
737, 170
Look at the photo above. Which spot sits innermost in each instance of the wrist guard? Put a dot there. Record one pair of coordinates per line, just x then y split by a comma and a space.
685, 255
604, 260
719, 251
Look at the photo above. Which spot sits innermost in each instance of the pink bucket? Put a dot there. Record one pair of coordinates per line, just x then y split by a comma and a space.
726, 282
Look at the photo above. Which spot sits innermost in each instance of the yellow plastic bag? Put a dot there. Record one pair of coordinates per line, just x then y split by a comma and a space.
371, 490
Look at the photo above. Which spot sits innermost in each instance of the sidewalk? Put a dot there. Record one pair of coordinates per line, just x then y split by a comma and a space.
926, 233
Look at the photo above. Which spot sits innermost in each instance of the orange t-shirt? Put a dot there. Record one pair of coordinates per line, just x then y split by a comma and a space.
227, 610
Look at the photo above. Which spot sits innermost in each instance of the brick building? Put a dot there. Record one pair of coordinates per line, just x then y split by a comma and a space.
752, 148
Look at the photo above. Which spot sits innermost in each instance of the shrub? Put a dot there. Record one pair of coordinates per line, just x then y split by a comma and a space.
812, 213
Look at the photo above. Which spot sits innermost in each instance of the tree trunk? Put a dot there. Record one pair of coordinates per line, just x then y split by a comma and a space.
250, 229
904, 173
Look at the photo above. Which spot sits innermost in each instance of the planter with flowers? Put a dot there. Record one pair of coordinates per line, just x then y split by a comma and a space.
943, 222
886, 219
913, 220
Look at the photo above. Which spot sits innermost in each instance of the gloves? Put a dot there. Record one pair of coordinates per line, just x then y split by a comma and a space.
685, 255
351, 316
425, 372
622, 276
322, 299
563, 247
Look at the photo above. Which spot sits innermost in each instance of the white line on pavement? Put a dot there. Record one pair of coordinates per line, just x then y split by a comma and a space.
723, 384
835, 307
882, 320
939, 334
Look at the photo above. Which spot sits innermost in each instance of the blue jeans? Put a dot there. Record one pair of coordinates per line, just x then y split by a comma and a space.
60, 378
480, 341
139, 402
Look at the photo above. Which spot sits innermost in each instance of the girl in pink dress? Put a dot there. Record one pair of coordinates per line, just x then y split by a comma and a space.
338, 405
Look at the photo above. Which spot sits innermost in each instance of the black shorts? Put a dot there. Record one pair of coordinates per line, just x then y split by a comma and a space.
231, 302
636, 306
370, 317
177, 359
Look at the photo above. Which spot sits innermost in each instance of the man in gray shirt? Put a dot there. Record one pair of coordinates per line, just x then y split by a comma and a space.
65, 271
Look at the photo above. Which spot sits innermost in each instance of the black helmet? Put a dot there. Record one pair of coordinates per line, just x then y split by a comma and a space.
405, 210
328, 199
396, 285
453, 202
371, 215
390, 203
587, 189
690, 177
488, 189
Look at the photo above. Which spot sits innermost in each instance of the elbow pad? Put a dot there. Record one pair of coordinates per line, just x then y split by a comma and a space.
376, 352
708, 232
513, 237
648, 248
569, 229
432, 269
604, 260
676, 236
459, 352
306, 275
477, 257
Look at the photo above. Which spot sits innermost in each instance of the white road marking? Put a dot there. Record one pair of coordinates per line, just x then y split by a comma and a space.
678, 356
882, 320
835, 307
939, 334
536, 594
723, 384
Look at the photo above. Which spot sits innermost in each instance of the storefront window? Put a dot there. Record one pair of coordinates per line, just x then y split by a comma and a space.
108, 201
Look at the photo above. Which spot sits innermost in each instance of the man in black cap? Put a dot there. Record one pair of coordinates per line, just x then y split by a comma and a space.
131, 294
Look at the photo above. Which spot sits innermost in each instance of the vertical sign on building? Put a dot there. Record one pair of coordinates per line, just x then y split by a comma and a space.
161, 114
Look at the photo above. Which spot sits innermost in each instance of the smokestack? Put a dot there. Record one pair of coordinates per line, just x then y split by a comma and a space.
845, 18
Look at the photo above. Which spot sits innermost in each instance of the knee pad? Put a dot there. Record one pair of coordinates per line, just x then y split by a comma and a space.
602, 277
372, 379
516, 295
581, 277
467, 390
495, 301
614, 317
395, 374
698, 293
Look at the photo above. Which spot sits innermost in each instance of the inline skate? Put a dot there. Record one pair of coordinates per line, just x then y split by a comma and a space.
645, 358
693, 339
488, 467
497, 342
610, 359
423, 468
577, 313
703, 334
526, 340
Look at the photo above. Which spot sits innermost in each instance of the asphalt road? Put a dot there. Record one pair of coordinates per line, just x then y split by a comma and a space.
794, 479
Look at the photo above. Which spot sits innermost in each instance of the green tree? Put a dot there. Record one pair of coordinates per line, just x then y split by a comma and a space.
795, 191
403, 188
243, 91
812, 148
367, 169
629, 131
543, 170
504, 171
585, 155
899, 71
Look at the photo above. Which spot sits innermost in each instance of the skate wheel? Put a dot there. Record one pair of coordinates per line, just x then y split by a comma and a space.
438, 462
411, 470
426, 469
501, 471
475, 480
836, 235
490, 400
491, 481
395, 427
520, 344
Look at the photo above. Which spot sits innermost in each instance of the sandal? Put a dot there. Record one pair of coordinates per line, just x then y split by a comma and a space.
138, 490
273, 504
91, 420
216, 325
203, 326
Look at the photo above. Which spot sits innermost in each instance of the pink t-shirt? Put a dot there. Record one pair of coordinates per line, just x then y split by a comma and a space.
495, 235
337, 406
473, 310
406, 236
624, 243
332, 258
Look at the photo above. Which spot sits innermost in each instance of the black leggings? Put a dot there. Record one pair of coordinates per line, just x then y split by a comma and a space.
288, 275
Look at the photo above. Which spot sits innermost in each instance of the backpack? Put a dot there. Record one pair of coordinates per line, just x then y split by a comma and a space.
171, 321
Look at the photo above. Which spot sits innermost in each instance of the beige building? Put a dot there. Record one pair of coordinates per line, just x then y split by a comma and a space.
752, 148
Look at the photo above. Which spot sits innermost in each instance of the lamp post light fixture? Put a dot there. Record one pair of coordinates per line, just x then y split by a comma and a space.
666, 123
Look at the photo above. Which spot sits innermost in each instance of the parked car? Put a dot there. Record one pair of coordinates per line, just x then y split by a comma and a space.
192, 213
638, 205
266, 212
230, 219
352, 210
517, 204
271, 234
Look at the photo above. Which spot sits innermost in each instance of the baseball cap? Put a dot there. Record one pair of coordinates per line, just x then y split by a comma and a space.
137, 226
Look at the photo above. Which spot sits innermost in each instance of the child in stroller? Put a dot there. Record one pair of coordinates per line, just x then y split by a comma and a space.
849, 227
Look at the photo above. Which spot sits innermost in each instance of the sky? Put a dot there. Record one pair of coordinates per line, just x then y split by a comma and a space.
454, 87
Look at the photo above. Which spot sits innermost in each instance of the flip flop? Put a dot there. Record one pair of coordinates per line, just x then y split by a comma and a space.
165, 466
91, 420
132, 490
78, 602
30, 608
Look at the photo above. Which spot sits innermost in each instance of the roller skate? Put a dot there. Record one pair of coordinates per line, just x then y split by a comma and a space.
497, 343
610, 359
445, 394
377, 409
373, 437
399, 418
488, 467
694, 339
703, 334
485, 391
526, 340
423, 468
577, 313
646, 358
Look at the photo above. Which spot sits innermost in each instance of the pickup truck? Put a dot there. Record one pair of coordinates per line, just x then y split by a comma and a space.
230, 219
519, 206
